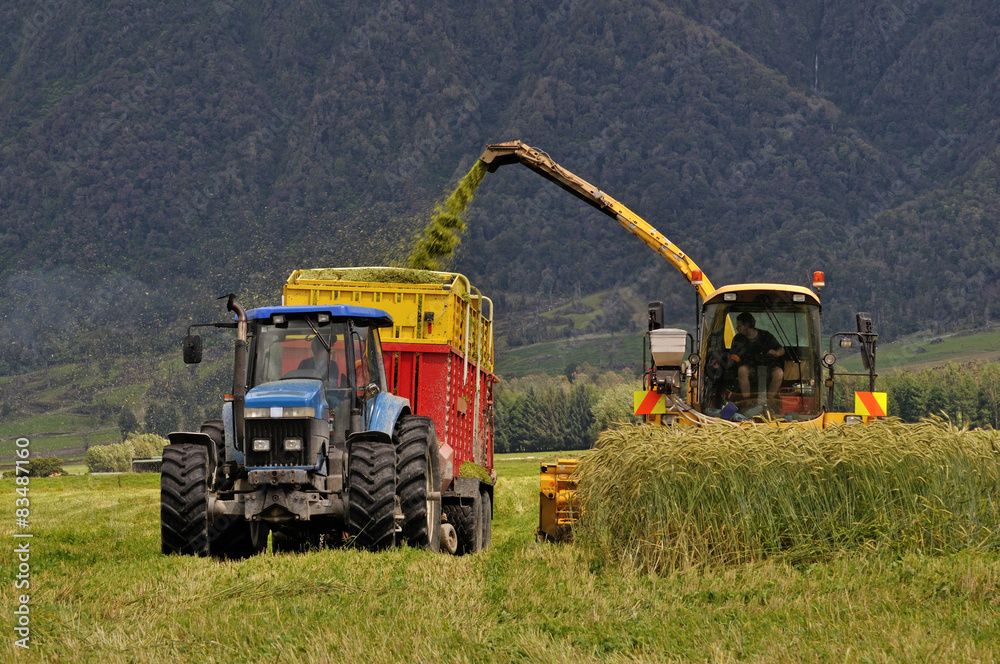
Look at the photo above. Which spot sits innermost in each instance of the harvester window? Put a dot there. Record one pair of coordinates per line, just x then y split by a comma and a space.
790, 383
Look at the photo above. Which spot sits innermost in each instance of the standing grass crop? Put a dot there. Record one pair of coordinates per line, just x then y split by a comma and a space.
658, 499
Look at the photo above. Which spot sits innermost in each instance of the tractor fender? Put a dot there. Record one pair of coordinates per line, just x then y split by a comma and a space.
384, 411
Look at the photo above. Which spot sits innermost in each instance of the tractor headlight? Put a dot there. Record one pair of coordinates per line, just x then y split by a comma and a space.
261, 444
852, 419
293, 444
279, 411
299, 411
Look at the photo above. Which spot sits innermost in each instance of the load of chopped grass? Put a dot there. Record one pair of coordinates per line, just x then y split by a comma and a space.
660, 499
382, 275
437, 245
472, 469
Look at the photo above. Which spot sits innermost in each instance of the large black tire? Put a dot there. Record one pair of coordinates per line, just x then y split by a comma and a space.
371, 469
183, 500
418, 481
216, 430
486, 506
466, 517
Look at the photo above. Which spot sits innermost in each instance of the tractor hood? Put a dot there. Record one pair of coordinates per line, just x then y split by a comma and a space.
297, 393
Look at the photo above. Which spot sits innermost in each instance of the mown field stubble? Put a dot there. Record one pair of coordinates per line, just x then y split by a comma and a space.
101, 591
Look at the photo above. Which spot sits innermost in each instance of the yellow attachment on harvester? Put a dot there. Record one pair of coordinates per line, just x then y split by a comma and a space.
557, 499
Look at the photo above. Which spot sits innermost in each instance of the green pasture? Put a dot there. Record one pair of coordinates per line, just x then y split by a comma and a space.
919, 351
39, 445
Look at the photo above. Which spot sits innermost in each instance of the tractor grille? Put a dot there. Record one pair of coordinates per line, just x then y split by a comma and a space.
276, 431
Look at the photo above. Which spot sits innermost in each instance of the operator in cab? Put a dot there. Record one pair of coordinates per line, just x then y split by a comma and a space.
320, 361
754, 351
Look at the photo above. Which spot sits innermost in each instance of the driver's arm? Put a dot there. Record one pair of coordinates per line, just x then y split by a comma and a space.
777, 350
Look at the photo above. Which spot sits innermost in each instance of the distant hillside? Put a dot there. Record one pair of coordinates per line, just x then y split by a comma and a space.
154, 156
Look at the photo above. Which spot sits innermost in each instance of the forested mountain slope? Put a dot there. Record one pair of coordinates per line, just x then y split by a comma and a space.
155, 155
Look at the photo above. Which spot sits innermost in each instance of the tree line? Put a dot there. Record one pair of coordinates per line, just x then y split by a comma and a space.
543, 414
967, 393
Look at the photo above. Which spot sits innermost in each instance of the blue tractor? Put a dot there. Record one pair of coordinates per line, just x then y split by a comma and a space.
311, 447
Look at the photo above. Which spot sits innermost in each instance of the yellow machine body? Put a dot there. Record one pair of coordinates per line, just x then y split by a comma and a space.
557, 499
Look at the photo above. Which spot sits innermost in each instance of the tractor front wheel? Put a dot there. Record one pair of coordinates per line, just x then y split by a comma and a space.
371, 515
183, 500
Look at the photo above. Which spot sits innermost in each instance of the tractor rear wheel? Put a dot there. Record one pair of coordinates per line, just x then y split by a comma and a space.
183, 500
215, 430
418, 481
371, 514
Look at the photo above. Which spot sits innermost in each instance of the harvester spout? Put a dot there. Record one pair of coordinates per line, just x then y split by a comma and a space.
502, 154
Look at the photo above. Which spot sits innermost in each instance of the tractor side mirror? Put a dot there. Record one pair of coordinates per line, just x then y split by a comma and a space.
192, 349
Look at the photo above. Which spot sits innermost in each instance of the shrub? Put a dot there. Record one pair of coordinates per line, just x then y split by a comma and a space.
109, 458
117, 458
45, 466
615, 406
145, 445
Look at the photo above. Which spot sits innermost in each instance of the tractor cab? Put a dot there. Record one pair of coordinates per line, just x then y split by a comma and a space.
760, 351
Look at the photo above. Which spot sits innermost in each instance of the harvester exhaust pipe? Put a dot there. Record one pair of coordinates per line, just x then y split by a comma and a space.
240, 368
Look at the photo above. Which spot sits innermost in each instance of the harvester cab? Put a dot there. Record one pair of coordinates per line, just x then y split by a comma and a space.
757, 352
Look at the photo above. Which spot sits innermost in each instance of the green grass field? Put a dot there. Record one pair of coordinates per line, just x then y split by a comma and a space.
102, 592
40, 445
49, 423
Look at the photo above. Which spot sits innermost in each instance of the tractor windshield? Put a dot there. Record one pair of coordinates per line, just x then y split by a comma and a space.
762, 353
301, 348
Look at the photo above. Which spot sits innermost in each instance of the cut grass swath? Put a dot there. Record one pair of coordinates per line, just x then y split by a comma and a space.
658, 499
